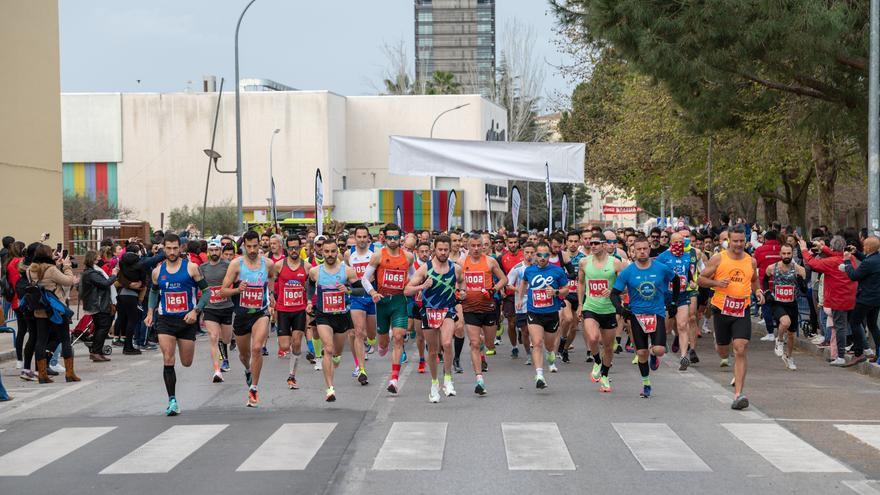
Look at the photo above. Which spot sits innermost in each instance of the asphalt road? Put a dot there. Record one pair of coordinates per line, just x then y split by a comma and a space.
807, 431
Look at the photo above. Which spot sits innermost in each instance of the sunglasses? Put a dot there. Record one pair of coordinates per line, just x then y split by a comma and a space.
654, 236
595, 243
664, 237
393, 237
542, 255
611, 241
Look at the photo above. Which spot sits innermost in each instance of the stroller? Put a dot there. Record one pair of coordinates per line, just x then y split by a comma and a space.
84, 331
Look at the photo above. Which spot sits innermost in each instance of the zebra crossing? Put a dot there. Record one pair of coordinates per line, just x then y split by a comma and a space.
408, 446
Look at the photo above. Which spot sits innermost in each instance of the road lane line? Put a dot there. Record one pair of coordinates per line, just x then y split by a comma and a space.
861, 487
869, 434
412, 447
290, 448
116, 372
784, 449
658, 448
47, 449
42, 400
166, 450
535, 446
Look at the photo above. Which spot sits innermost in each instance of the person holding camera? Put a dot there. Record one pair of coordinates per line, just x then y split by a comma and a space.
867, 274
96, 291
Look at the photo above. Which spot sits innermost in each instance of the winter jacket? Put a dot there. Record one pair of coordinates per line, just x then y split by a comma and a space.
867, 274
839, 292
94, 291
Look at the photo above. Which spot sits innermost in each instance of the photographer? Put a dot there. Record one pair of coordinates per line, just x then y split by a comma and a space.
867, 274
96, 293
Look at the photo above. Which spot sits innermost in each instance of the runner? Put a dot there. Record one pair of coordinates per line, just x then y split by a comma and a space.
512, 257
788, 278
571, 258
333, 281
276, 253
734, 276
175, 282
683, 265
414, 305
438, 280
646, 282
513, 278
544, 287
363, 309
596, 276
218, 313
479, 305
290, 306
391, 268
256, 274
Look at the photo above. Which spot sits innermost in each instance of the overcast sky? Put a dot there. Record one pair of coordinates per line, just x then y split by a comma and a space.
108, 45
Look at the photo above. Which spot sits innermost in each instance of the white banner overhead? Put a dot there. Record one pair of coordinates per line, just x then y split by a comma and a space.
412, 156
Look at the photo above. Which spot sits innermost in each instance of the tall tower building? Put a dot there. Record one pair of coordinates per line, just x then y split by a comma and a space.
456, 36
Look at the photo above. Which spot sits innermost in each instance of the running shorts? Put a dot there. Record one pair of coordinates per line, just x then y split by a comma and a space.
481, 319
176, 327
508, 306
522, 320
640, 338
790, 310
548, 321
606, 321
703, 296
391, 313
244, 322
221, 316
728, 328
339, 322
290, 321
450, 315
363, 303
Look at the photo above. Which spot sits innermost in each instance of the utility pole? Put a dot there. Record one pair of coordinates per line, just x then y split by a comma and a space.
873, 116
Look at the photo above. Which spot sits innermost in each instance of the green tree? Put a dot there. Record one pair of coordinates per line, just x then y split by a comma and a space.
219, 219
443, 83
83, 210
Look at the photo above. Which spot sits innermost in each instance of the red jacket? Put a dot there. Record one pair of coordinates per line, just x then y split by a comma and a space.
839, 291
766, 255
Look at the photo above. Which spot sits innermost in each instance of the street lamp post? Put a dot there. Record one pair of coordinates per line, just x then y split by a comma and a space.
431, 135
238, 193
874, 121
272, 176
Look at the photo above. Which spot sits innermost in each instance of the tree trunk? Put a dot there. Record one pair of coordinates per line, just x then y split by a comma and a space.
770, 214
797, 212
826, 178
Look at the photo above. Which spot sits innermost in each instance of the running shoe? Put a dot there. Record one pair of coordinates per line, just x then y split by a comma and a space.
528, 359
589, 359
778, 348
617, 347
604, 384
331, 395
565, 358
362, 378
291, 383
733, 382
27, 375
789, 363
392, 386
253, 398
654, 362
218, 377
282, 353
629, 348
310, 357
596, 375
684, 363
247, 377
646, 392
484, 365
740, 403
456, 364
434, 396
448, 388
336, 360
232, 345
369, 349
675, 347
497, 340
540, 383
725, 363
403, 357
19, 365
318, 365
838, 362
768, 338
514, 353
692, 355
635, 360
265, 351
491, 352
354, 372
553, 368
173, 409
421, 366
224, 366
382, 351
480, 388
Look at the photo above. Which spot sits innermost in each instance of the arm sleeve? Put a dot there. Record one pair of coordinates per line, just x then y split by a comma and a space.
358, 291
206, 294
153, 301
676, 288
365, 280
310, 290
618, 304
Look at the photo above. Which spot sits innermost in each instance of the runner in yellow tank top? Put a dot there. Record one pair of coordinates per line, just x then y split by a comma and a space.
733, 274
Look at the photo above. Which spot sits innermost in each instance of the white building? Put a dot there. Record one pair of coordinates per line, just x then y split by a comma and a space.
144, 151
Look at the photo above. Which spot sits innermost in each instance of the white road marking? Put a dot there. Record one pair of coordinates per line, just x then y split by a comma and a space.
166, 450
658, 448
42, 400
869, 434
290, 448
783, 449
412, 447
47, 449
862, 487
535, 446
116, 372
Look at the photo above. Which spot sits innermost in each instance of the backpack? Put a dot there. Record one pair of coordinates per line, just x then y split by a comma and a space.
30, 294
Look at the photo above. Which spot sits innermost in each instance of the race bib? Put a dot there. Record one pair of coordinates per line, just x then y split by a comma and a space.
682, 283
734, 306
360, 268
542, 298
393, 279
435, 316
293, 295
176, 302
215, 299
648, 322
475, 281
783, 293
572, 287
597, 287
252, 297
333, 301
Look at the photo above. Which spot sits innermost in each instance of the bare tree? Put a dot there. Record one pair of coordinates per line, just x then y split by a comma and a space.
397, 78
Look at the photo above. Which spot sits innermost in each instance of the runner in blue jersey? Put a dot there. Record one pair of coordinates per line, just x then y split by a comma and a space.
438, 280
683, 264
545, 286
175, 284
646, 282
251, 277
571, 258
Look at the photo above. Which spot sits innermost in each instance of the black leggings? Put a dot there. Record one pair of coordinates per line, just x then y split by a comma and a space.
101, 324
127, 318
49, 335
27, 326
20, 335
858, 317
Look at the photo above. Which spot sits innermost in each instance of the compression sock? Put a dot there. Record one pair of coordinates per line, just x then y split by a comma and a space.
170, 379
604, 370
395, 371
318, 347
224, 350
561, 344
294, 360
311, 345
597, 358
459, 344
644, 369
551, 357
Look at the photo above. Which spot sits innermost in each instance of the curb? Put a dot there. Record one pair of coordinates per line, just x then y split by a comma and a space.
7, 355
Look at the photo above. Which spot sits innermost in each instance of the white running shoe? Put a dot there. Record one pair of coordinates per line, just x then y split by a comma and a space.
779, 348
19, 365
448, 389
434, 396
768, 338
838, 362
553, 368
318, 364
58, 368
528, 359
818, 339
789, 363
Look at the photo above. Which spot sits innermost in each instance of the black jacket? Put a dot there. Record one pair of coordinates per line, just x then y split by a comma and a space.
867, 274
94, 290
